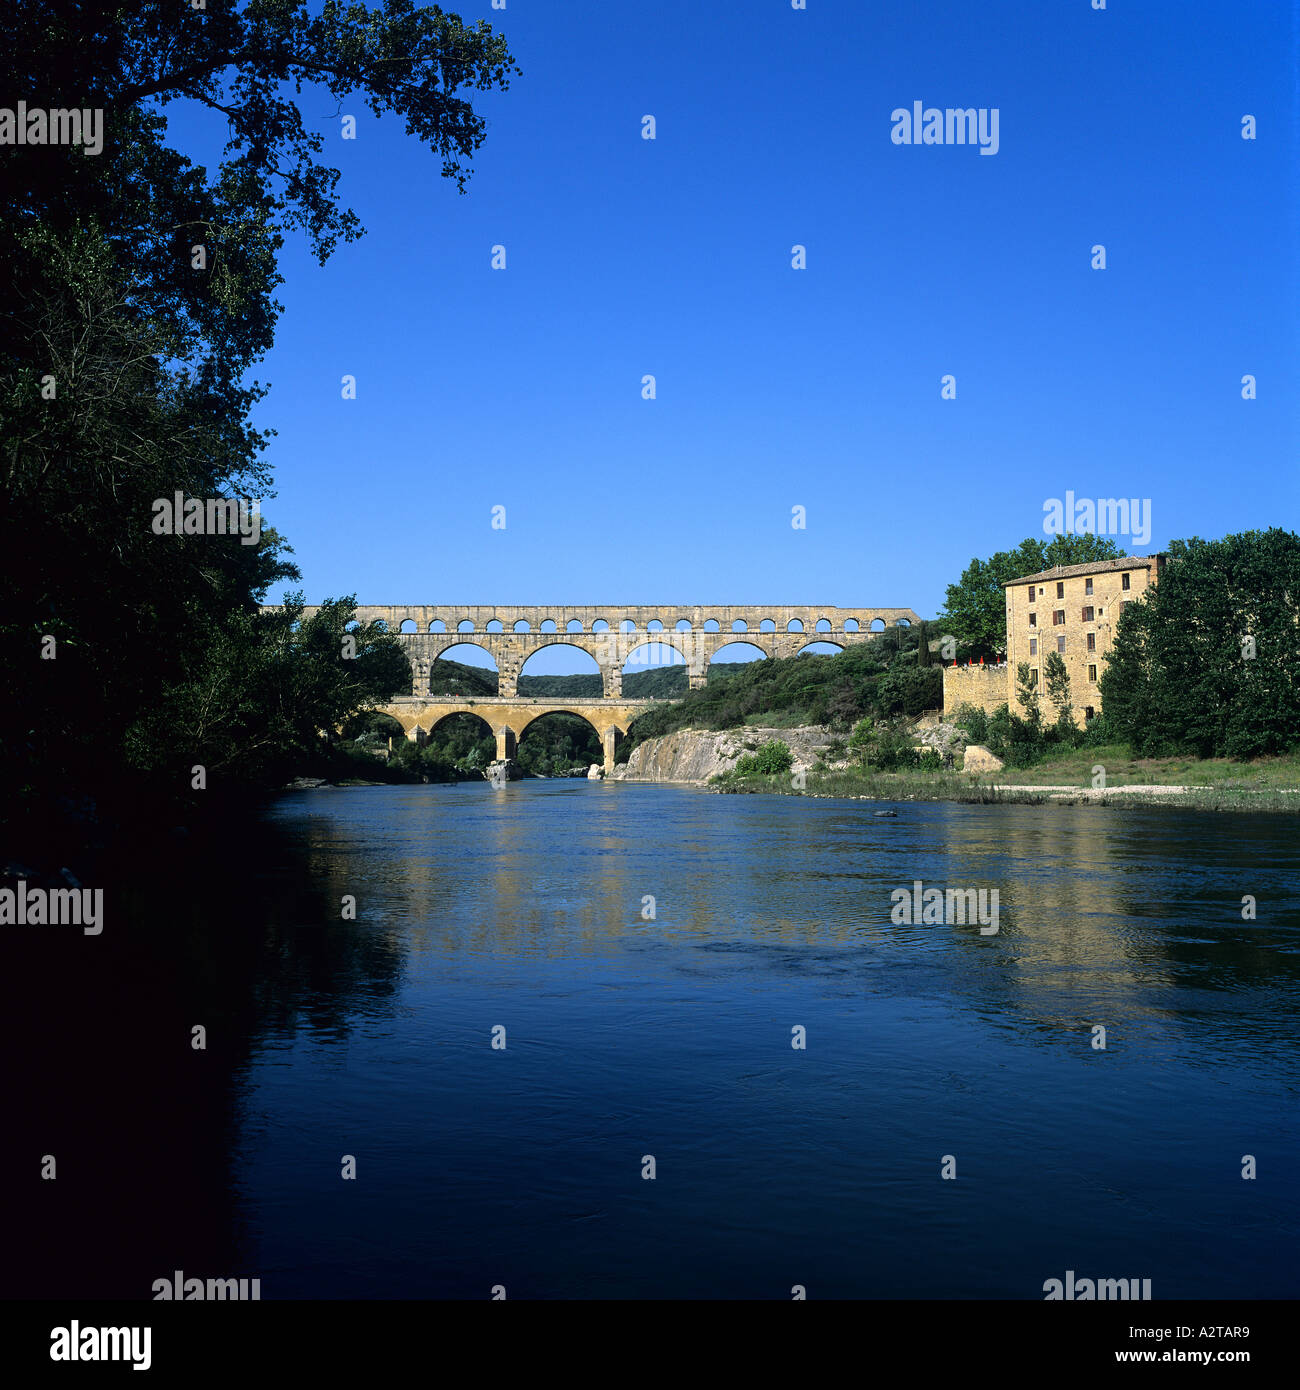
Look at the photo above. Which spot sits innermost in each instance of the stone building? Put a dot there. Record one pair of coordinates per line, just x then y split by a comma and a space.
1072, 610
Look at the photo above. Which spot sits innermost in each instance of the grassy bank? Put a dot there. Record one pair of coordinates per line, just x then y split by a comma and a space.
1123, 769
1203, 787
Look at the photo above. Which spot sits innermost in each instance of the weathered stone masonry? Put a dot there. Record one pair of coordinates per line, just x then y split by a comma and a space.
609, 634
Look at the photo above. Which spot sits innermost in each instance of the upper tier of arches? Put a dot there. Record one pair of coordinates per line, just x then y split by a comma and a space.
478, 619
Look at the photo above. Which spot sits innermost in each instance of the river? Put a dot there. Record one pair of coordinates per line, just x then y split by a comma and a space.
665, 1030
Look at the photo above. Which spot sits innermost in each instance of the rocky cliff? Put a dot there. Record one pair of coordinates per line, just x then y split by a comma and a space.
695, 755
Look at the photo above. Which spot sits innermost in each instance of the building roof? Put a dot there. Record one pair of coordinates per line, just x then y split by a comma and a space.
1126, 562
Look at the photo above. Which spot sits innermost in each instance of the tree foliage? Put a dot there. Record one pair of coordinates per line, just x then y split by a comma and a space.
772, 758
124, 368
975, 610
880, 678
1207, 662
1056, 679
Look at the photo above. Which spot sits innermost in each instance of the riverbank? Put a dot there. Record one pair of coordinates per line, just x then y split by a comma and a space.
1103, 775
859, 784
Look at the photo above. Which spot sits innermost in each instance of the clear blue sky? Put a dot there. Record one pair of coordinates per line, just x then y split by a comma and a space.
778, 387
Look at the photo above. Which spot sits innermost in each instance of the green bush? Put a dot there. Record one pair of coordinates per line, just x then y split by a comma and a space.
771, 758
890, 749
975, 722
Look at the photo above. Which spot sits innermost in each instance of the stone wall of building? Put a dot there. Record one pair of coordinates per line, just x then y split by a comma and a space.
1076, 609
984, 687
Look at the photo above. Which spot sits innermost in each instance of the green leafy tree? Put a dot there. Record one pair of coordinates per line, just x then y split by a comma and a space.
975, 611
270, 688
1057, 680
1027, 691
1208, 661
864, 731
148, 353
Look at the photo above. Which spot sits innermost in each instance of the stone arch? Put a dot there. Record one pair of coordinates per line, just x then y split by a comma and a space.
660, 641
522, 625
823, 625
456, 714
437, 625
850, 624
381, 624
600, 625
740, 625
524, 724
877, 625
807, 648
465, 625
767, 625
654, 668
494, 625
561, 643
547, 625
407, 625
684, 625
593, 747
408, 721
711, 625
654, 625
475, 728
573, 625
733, 647
794, 625
902, 622
457, 650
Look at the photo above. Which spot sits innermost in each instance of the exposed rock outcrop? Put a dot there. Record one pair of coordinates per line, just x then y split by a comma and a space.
979, 759
695, 755
943, 738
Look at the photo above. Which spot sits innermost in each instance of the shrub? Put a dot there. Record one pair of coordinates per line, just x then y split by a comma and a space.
864, 733
890, 749
975, 722
771, 758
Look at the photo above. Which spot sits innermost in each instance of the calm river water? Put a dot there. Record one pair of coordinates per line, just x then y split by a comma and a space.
627, 1037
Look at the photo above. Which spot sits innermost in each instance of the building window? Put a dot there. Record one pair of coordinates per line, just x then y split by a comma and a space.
1033, 677
1092, 674
1060, 644
1087, 586
1058, 617
1123, 582
1092, 641
1031, 593
1033, 620
1033, 646
1089, 713
1060, 591
1087, 615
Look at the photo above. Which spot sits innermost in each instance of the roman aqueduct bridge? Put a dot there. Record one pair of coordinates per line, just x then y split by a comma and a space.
609, 634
